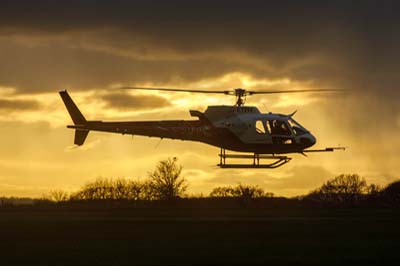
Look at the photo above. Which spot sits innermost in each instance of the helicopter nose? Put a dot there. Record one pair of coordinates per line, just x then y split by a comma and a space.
308, 140
313, 140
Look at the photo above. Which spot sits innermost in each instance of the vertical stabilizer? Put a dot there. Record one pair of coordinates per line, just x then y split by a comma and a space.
73, 110
77, 118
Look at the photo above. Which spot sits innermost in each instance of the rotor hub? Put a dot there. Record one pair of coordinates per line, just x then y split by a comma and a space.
240, 93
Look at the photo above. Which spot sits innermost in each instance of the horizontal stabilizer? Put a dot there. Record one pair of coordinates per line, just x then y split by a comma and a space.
80, 136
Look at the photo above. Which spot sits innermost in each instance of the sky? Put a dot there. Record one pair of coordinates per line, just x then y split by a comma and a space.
93, 47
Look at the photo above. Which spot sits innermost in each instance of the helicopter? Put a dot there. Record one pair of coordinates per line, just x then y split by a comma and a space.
238, 128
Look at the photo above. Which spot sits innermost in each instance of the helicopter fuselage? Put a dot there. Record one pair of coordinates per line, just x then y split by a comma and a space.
241, 129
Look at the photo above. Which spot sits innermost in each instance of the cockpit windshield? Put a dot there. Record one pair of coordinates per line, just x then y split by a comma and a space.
296, 127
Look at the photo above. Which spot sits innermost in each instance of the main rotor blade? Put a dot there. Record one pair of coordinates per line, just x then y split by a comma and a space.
290, 91
172, 89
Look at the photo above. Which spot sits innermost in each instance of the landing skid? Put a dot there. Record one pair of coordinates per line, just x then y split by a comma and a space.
279, 160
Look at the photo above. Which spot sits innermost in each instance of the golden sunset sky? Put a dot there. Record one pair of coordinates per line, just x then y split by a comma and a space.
92, 47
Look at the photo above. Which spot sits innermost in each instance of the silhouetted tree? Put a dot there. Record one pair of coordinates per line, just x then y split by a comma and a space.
100, 189
345, 188
391, 193
110, 189
243, 191
138, 190
148, 191
374, 191
222, 192
249, 191
57, 195
120, 189
166, 182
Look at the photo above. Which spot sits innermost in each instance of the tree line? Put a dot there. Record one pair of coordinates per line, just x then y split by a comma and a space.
166, 183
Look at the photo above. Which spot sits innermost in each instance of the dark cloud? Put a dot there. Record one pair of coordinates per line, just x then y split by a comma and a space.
18, 105
50, 68
352, 44
125, 101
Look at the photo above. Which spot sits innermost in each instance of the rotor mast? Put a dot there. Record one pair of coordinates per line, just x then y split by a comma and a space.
240, 93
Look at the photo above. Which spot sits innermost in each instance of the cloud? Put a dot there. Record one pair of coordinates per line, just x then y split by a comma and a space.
336, 44
124, 101
24, 191
18, 105
302, 177
52, 67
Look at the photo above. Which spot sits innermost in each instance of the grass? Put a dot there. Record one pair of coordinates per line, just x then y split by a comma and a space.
198, 236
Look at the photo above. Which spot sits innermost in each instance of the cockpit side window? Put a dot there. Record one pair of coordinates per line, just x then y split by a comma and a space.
260, 129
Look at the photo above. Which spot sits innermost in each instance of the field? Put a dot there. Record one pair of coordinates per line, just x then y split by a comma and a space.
177, 235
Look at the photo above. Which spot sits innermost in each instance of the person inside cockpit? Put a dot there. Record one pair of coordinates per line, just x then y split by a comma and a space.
279, 128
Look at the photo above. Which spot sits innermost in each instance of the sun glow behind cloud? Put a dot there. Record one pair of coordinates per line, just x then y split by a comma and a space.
181, 102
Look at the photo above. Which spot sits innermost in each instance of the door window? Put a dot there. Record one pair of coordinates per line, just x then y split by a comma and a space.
279, 127
260, 129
